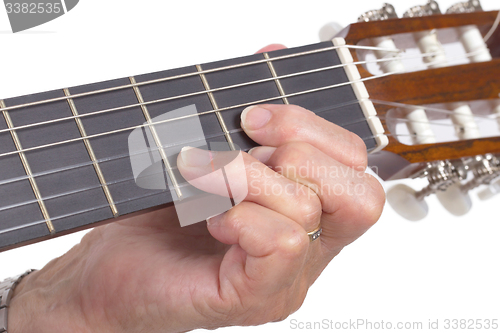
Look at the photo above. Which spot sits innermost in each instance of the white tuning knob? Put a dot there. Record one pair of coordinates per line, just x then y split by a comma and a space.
492, 190
404, 200
455, 200
329, 30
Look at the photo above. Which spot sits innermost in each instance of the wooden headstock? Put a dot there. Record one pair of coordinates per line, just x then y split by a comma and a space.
445, 164
467, 82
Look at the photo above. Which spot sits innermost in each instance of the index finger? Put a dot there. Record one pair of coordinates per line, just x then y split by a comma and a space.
275, 125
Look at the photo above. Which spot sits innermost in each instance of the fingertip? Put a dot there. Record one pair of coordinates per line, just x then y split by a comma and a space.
271, 47
255, 117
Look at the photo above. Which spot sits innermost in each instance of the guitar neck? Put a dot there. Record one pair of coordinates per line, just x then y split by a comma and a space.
74, 169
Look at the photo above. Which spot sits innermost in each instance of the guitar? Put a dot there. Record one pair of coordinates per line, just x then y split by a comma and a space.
65, 153
429, 261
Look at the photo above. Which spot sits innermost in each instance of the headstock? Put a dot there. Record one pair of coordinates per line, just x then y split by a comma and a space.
439, 91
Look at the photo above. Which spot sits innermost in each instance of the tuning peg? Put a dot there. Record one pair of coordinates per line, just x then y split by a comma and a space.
465, 7
329, 31
455, 199
386, 12
430, 8
407, 202
486, 171
492, 190
441, 175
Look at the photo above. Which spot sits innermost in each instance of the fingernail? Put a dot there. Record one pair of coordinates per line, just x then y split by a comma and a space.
193, 157
263, 154
214, 220
255, 117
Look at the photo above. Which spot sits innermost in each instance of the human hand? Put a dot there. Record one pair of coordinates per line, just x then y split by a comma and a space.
250, 265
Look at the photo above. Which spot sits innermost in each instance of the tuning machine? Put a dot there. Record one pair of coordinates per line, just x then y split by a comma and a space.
330, 30
441, 175
445, 180
492, 189
430, 8
470, 6
485, 170
386, 12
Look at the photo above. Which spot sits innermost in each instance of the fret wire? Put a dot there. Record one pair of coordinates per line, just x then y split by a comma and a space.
27, 169
276, 80
216, 108
147, 116
201, 113
211, 90
92, 156
99, 91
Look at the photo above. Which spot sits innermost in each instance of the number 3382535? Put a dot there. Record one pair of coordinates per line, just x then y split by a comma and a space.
33, 8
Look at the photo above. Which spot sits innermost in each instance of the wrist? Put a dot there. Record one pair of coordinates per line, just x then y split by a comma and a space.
44, 302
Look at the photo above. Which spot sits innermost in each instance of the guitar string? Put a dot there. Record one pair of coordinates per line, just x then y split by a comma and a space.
196, 73
202, 92
492, 117
493, 28
47, 198
200, 113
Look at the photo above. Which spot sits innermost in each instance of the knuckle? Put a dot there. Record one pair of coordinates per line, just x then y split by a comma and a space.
373, 200
359, 156
294, 243
309, 209
288, 131
234, 217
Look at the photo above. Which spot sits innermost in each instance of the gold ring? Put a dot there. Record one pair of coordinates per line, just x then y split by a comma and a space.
313, 235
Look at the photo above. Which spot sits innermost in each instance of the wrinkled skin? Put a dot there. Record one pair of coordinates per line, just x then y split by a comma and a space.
248, 266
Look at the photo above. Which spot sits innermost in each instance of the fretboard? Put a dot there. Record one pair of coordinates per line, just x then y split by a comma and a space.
69, 174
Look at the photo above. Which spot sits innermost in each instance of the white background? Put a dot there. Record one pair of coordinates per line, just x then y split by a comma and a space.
443, 267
